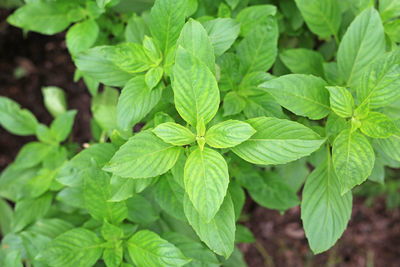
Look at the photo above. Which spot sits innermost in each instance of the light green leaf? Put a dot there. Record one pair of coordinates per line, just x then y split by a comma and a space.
277, 141
263, 105
353, 159
61, 127
222, 32
143, 156
112, 257
102, 3
228, 134
206, 181
97, 63
196, 91
122, 188
6, 217
38, 185
140, 210
304, 95
253, 16
233, 104
303, 61
43, 17
229, 72
219, 233
389, 9
135, 102
194, 39
136, 29
153, 77
104, 109
166, 21
111, 232
97, 193
29, 210
390, 146
32, 154
16, 120
243, 234
149, 249
258, 50
82, 36
341, 101
380, 82
363, 42
322, 17
77, 247
324, 211
131, 57
377, 125
55, 100
173, 133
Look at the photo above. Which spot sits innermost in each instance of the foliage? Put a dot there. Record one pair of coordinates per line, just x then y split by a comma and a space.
230, 96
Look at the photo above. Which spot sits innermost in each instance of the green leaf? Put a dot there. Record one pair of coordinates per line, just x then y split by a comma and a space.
363, 42
228, 134
97, 193
166, 21
390, 146
6, 217
82, 36
29, 210
54, 100
389, 9
136, 29
32, 154
140, 210
98, 63
269, 191
149, 249
243, 234
143, 156
377, 125
16, 120
253, 16
380, 82
175, 134
223, 33
303, 61
122, 188
263, 105
102, 3
341, 101
229, 72
322, 17
104, 109
353, 159
258, 50
219, 233
195, 88
206, 181
277, 141
39, 184
77, 247
13, 180
304, 95
135, 102
43, 17
324, 211
153, 77
194, 39
61, 127
238, 197
111, 232
233, 104
112, 257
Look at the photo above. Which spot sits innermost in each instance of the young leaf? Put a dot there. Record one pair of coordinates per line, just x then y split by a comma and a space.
55, 100
61, 127
16, 120
253, 16
111, 232
277, 141
97, 193
353, 159
196, 91
43, 17
194, 39
363, 41
222, 32
102, 3
390, 146
149, 249
303, 61
304, 95
258, 50
153, 77
233, 104
6, 217
77, 247
228, 134
206, 181
141, 210
219, 233
143, 156
112, 257
341, 101
322, 17
380, 82
324, 211
82, 36
104, 109
166, 21
32, 154
377, 125
136, 29
130, 57
175, 134
135, 102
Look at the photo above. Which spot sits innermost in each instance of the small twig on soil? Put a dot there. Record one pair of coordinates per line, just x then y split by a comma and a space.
268, 261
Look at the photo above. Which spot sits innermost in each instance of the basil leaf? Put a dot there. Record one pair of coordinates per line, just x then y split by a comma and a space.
175, 134
228, 134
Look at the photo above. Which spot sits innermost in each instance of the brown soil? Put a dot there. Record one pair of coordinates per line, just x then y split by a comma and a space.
372, 238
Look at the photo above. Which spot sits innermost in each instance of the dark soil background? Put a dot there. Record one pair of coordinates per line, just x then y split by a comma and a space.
372, 238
